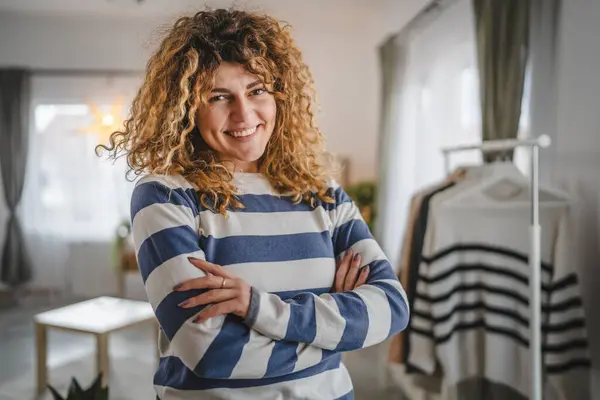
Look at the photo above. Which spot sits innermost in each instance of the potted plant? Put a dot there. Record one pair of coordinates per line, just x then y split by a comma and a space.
94, 392
363, 193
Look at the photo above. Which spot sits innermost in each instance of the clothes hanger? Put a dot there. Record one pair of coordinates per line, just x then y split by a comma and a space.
500, 184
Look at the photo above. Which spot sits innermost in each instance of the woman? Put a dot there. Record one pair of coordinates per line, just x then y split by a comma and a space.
237, 224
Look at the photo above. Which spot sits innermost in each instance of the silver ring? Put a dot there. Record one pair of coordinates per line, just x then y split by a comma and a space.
223, 283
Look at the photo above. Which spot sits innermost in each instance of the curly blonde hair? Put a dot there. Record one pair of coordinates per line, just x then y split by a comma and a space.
160, 136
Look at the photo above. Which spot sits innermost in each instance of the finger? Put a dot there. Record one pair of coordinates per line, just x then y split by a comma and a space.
214, 310
339, 273
212, 296
209, 267
352, 272
342, 270
362, 278
205, 282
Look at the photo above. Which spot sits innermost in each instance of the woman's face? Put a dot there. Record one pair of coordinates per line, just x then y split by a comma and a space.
239, 118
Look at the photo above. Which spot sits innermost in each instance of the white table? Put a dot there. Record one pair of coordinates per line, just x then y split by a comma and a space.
100, 317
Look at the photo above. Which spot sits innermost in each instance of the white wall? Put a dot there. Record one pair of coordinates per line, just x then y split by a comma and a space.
577, 147
394, 14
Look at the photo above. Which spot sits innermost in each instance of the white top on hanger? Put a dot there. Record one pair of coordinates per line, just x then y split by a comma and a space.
542, 141
535, 236
502, 185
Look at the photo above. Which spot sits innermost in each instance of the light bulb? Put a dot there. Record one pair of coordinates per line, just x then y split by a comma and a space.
108, 120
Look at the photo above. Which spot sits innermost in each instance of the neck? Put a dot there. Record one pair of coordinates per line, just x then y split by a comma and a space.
240, 166
250, 168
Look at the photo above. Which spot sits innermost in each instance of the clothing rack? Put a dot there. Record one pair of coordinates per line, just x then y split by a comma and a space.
535, 342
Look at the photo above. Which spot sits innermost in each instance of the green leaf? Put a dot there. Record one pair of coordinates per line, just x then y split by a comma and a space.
55, 394
75, 388
102, 394
364, 195
75, 391
95, 387
96, 391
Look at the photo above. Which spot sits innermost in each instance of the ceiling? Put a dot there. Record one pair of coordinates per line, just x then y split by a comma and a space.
153, 8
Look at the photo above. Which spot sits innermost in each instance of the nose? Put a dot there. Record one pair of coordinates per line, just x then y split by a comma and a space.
242, 109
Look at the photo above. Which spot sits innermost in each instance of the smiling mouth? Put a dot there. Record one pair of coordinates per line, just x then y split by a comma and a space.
242, 132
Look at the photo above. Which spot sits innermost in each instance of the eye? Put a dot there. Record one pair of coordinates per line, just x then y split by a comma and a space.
258, 92
218, 97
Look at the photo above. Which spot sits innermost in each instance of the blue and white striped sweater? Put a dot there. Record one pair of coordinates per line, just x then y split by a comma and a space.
290, 346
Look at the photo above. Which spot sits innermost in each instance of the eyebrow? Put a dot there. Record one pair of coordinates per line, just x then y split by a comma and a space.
249, 86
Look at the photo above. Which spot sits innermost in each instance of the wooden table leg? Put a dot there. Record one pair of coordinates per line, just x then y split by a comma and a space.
102, 357
41, 344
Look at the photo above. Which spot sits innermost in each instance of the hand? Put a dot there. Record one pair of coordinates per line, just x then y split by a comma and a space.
347, 276
229, 294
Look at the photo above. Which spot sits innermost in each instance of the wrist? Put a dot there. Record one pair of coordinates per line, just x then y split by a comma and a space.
253, 307
247, 296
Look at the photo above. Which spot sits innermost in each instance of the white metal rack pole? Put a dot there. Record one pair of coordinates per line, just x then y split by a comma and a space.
535, 306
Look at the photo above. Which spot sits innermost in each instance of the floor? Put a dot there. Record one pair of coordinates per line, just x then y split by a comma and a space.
132, 360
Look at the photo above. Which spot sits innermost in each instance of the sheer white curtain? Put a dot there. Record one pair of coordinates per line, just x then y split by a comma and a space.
72, 198
438, 106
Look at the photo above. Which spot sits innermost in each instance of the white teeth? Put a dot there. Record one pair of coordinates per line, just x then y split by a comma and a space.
245, 132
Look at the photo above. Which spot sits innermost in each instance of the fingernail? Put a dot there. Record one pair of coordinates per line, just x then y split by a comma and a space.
197, 319
356, 257
177, 287
183, 303
350, 253
193, 259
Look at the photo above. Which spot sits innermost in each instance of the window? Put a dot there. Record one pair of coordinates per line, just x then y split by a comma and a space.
70, 192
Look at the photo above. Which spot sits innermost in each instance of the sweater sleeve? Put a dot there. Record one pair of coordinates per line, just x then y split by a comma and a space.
339, 321
566, 346
164, 218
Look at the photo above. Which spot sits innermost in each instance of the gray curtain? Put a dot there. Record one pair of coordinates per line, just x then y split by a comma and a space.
543, 61
15, 88
502, 33
392, 60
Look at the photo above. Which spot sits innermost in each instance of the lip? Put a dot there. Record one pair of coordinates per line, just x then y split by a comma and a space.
243, 128
245, 138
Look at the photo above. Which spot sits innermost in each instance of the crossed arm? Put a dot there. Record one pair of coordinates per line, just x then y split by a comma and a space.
290, 335
225, 293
